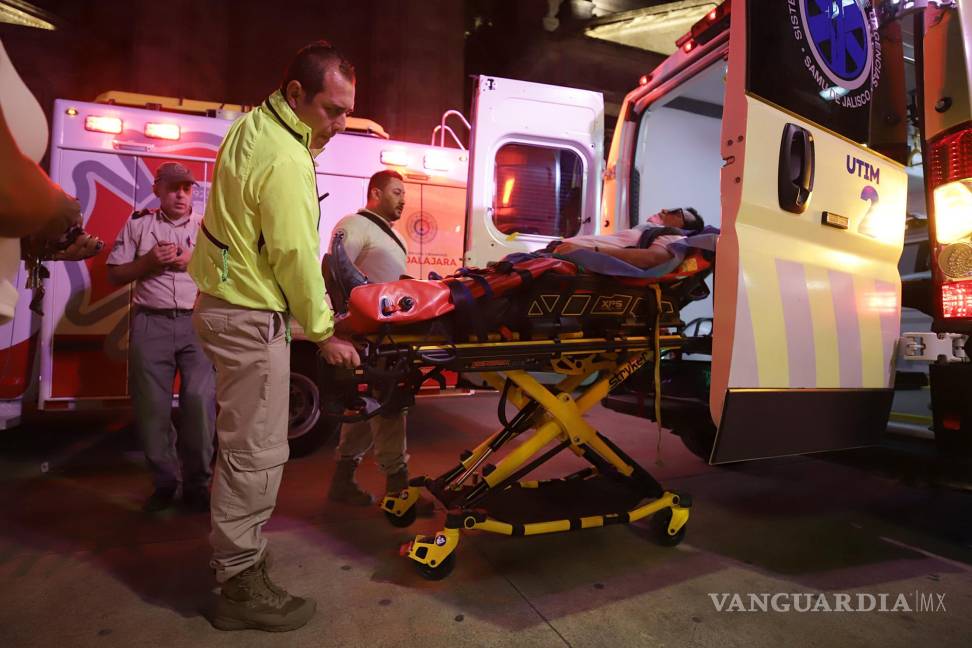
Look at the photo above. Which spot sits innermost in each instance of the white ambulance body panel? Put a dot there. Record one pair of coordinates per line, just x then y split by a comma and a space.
537, 154
75, 356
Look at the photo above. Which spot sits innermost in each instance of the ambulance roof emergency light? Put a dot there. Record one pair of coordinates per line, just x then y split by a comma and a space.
437, 161
706, 28
102, 124
395, 157
163, 131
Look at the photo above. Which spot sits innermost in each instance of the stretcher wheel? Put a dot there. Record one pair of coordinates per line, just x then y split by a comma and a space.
402, 521
438, 572
658, 524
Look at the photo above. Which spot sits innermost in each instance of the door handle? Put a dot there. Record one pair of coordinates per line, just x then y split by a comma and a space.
795, 176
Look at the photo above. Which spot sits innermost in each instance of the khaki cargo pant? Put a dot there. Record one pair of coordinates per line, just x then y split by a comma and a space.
252, 359
387, 435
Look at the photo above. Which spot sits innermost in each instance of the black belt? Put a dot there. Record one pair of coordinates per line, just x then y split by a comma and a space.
171, 313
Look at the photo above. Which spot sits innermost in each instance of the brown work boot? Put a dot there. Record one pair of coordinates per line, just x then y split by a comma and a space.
251, 601
396, 482
343, 487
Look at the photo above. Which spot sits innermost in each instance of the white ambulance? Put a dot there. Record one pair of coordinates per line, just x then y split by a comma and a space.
106, 154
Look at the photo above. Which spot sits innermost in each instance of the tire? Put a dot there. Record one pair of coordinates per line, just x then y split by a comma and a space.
698, 436
405, 520
658, 524
307, 429
440, 571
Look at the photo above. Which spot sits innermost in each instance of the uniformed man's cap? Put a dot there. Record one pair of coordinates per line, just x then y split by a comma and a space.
173, 173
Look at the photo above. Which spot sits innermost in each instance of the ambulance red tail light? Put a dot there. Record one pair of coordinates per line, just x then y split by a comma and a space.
163, 131
949, 171
957, 300
102, 124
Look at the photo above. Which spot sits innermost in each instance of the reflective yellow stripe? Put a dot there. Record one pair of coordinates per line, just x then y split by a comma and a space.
824, 326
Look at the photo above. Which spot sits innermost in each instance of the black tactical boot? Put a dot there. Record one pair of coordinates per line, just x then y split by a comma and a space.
343, 487
251, 601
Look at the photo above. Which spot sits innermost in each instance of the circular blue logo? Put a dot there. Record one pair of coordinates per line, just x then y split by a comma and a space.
838, 35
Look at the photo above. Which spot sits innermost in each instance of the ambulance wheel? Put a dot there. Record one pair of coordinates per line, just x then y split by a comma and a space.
698, 437
658, 524
438, 572
402, 521
307, 430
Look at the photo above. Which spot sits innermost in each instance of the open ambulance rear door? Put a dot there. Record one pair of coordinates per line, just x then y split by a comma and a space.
813, 190
536, 157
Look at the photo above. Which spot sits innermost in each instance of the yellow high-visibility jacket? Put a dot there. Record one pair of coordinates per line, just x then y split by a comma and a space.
259, 244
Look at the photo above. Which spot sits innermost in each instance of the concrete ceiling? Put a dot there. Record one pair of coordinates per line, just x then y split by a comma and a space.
652, 26
18, 12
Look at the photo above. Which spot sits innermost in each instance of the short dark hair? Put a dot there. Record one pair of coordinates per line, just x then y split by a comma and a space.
380, 180
694, 225
310, 63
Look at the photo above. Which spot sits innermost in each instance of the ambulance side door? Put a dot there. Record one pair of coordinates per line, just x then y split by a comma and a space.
807, 300
536, 159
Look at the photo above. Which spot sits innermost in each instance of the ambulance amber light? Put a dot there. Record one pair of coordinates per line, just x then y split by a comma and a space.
163, 131
395, 157
957, 300
953, 211
99, 124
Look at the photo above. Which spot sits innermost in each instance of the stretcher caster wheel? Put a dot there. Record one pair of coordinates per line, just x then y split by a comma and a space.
403, 520
658, 524
438, 572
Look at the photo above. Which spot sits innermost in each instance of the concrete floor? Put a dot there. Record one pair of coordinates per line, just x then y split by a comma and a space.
81, 566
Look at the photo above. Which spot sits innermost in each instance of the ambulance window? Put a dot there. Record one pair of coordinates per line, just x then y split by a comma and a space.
538, 190
829, 62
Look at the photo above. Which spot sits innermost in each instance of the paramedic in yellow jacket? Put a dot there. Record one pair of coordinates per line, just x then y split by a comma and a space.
377, 250
257, 264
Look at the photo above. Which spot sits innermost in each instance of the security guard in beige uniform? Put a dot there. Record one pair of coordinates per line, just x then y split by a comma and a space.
378, 251
153, 250
258, 263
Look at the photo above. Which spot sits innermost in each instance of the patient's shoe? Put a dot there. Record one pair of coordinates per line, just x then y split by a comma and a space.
343, 487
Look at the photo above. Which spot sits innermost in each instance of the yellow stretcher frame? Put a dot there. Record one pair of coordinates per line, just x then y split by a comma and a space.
553, 415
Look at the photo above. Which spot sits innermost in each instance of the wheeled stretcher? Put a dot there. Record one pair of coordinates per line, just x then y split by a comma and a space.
536, 315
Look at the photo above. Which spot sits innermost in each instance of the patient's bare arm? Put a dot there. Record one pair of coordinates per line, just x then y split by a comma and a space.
640, 257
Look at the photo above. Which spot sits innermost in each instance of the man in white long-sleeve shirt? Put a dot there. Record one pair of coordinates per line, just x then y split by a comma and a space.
378, 251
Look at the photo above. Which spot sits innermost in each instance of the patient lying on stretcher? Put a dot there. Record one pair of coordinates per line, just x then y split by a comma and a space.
649, 245
618, 265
